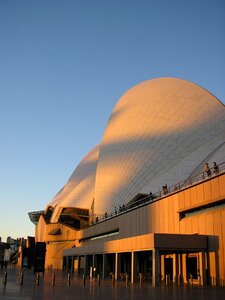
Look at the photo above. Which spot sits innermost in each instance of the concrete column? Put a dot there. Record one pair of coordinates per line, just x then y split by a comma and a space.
217, 268
132, 267
179, 263
85, 264
93, 260
78, 266
202, 268
155, 267
72, 268
180, 276
162, 271
184, 267
116, 266
175, 267
103, 266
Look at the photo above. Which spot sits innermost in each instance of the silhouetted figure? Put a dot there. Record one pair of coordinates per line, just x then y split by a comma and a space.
207, 170
152, 196
215, 168
165, 189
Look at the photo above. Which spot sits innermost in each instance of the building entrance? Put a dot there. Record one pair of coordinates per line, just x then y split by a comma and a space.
125, 262
144, 264
98, 264
168, 267
192, 266
109, 264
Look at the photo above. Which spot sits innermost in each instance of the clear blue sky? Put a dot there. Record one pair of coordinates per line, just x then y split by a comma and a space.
64, 64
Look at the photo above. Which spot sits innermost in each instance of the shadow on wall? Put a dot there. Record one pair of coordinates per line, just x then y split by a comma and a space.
128, 166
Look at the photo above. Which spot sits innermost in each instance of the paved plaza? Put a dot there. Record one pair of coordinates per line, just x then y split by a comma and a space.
13, 290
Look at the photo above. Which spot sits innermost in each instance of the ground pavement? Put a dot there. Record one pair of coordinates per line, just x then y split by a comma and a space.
27, 287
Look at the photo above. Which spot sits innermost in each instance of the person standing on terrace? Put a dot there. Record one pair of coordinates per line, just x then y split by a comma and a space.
215, 168
207, 170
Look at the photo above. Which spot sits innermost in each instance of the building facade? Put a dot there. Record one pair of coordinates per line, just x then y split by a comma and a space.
140, 202
180, 234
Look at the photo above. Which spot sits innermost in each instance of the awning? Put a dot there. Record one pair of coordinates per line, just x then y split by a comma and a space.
35, 215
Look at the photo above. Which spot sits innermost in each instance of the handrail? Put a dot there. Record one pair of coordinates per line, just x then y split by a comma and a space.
202, 176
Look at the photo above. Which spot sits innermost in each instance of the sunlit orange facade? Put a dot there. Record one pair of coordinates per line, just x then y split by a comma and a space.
114, 214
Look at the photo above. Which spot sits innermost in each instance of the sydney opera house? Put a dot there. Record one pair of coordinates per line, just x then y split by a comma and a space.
141, 202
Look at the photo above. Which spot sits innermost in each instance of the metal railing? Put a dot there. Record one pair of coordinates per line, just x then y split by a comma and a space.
165, 191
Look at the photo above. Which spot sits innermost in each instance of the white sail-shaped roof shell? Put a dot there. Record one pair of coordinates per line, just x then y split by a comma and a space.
79, 190
56, 199
160, 132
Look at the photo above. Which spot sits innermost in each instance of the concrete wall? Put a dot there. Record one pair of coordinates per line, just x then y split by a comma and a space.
55, 244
